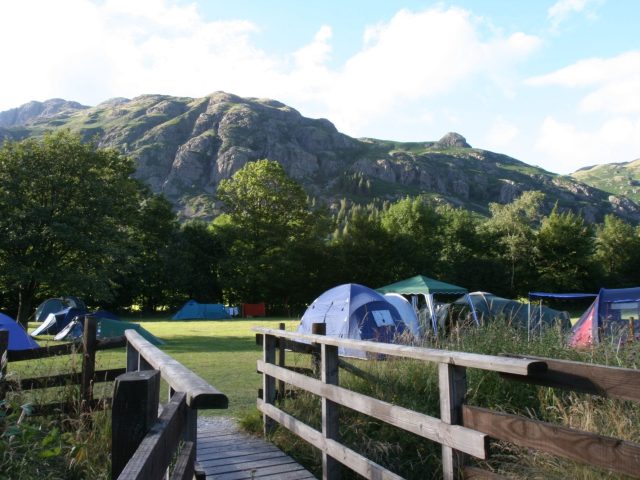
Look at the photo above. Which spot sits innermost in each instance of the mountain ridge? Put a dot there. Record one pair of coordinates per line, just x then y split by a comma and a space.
185, 146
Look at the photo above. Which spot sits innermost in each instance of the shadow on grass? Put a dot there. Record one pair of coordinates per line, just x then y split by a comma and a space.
199, 343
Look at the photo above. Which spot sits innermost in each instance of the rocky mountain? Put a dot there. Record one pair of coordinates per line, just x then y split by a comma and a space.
38, 111
184, 147
619, 179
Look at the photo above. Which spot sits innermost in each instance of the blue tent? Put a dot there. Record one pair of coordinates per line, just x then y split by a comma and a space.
18, 338
54, 305
57, 321
356, 312
193, 310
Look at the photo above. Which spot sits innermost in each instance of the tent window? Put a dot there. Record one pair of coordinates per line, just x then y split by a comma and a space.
382, 318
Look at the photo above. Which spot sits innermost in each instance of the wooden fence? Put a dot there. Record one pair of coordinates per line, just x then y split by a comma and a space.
86, 378
462, 430
143, 443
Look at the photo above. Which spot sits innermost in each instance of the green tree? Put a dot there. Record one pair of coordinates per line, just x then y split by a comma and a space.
193, 263
150, 279
365, 253
511, 228
617, 251
563, 253
64, 211
462, 252
267, 229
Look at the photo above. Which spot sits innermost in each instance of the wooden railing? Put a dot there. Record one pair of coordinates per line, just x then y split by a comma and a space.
143, 443
462, 430
86, 378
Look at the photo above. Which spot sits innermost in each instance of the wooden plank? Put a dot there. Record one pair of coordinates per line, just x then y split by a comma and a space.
211, 463
69, 379
199, 393
205, 459
222, 449
184, 467
344, 455
279, 470
297, 475
44, 352
281, 362
455, 436
517, 366
135, 409
452, 381
610, 453
331, 468
268, 382
249, 465
475, 473
88, 358
610, 382
153, 456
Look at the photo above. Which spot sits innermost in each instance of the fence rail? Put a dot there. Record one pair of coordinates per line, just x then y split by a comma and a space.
85, 378
462, 430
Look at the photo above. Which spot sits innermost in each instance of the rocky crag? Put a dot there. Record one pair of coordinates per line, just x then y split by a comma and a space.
184, 147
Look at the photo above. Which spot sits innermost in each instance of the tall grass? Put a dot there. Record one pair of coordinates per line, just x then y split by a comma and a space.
414, 384
72, 443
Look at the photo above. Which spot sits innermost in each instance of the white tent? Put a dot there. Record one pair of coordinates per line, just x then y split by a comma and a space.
406, 311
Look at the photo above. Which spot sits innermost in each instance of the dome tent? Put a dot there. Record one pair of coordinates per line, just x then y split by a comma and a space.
355, 312
193, 310
615, 314
18, 338
406, 311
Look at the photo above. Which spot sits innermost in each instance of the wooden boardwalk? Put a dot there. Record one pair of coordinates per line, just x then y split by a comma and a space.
225, 453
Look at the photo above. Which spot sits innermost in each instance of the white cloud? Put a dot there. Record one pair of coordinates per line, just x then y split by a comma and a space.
563, 9
614, 83
567, 148
417, 56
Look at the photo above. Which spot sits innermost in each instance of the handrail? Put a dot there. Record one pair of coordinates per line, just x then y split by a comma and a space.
495, 363
199, 393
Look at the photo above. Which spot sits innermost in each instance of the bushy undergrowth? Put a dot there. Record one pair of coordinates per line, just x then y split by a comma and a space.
414, 385
69, 444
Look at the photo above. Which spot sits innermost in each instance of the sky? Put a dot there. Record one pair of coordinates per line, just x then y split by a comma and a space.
554, 83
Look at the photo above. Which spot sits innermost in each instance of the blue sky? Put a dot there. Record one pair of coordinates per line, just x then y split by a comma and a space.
554, 83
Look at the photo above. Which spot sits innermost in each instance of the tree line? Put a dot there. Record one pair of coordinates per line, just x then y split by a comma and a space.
73, 220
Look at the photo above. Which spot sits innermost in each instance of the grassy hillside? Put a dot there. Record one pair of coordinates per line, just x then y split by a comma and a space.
615, 178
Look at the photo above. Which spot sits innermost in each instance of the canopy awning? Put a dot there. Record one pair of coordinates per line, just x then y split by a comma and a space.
421, 285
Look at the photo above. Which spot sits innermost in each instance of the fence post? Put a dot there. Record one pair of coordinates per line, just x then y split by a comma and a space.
317, 329
281, 362
136, 396
4, 360
132, 358
88, 360
453, 388
331, 468
268, 382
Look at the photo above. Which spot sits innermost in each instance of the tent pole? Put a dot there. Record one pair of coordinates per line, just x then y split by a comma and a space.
528, 317
473, 309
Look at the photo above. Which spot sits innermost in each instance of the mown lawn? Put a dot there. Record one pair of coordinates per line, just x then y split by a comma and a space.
223, 352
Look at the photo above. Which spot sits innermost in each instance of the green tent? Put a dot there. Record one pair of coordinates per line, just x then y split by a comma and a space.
114, 328
420, 285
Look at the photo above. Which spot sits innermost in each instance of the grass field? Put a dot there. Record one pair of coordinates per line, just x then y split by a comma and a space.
223, 352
